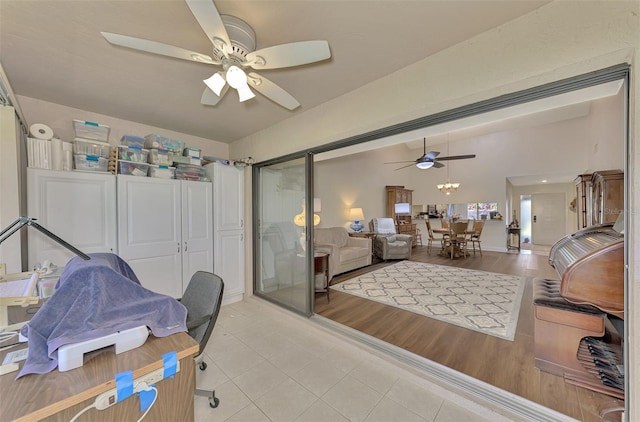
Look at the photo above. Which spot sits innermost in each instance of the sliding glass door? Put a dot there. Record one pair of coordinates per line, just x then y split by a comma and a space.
282, 263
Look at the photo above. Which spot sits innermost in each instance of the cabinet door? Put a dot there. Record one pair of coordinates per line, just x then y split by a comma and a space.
197, 229
149, 231
229, 263
78, 207
228, 191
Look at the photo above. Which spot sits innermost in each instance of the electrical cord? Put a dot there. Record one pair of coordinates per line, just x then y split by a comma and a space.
144, 387
91, 406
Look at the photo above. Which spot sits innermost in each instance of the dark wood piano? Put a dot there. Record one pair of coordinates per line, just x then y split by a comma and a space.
579, 318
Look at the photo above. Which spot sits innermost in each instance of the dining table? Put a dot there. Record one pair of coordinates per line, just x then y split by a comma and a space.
446, 251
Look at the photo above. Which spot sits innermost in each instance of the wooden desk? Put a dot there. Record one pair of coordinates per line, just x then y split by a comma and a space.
58, 396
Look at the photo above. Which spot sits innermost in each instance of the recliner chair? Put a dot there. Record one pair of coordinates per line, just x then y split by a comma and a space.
387, 244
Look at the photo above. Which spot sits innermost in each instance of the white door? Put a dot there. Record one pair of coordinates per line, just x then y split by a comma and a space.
149, 231
548, 218
228, 185
78, 207
197, 229
229, 262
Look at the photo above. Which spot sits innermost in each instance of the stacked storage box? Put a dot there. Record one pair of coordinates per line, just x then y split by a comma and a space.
132, 157
91, 147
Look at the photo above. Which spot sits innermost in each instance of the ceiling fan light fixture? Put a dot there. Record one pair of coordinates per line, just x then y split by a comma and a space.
245, 93
424, 165
215, 83
236, 77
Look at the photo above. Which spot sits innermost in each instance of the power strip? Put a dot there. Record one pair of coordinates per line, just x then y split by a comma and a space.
109, 398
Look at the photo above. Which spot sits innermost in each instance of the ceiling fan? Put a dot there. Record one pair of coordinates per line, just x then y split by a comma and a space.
430, 159
234, 43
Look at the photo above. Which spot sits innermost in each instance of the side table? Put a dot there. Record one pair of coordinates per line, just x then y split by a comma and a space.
321, 267
364, 234
515, 232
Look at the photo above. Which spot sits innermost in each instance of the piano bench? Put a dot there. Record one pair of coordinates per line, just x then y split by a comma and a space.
559, 326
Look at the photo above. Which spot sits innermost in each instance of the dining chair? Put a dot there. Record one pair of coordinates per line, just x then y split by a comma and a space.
432, 238
445, 223
476, 231
457, 242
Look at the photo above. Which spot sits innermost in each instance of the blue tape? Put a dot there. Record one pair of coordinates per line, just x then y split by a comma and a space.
124, 385
146, 398
91, 124
170, 362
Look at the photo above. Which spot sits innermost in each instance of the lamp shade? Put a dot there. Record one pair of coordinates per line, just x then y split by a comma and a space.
403, 208
317, 205
216, 83
356, 214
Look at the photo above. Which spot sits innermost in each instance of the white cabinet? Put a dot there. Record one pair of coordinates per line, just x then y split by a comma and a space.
79, 207
228, 202
165, 230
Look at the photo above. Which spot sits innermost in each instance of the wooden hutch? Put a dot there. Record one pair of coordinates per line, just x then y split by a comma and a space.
404, 223
599, 197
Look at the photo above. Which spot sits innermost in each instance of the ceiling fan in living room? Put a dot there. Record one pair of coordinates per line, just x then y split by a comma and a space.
430, 159
233, 45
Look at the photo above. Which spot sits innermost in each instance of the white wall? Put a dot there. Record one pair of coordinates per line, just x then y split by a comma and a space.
60, 118
559, 40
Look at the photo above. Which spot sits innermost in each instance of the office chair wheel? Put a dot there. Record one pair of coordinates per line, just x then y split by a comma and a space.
214, 401
202, 366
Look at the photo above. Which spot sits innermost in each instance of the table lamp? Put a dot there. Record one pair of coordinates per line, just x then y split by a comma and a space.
357, 216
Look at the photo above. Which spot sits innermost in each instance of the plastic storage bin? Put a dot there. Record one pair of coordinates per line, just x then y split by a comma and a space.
136, 154
192, 152
189, 172
90, 162
131, 168
89, 147
91, 130
161, 157
162, 142
162, 172
132, 141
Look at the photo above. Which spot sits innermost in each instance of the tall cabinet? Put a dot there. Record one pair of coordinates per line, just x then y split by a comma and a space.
404, 223
78, 207
165, 230
228, 227
583, 200
607, 196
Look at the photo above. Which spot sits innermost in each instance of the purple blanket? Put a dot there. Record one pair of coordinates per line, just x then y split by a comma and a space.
93, 299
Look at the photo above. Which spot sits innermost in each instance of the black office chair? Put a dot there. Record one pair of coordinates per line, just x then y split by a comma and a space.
202, 298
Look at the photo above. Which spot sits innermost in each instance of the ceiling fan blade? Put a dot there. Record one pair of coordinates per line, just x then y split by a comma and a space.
432, 154
210, 20
157, 48
210, 98
272, 91
457, 157
399, 162
404, 167
437, 165
287, 55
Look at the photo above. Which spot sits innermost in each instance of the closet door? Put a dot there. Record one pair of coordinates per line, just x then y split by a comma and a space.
197, 229
149, 231
78, 207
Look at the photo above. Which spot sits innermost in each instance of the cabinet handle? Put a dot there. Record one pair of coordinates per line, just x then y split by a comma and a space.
241, 237
242, 222
185, 246
178, 247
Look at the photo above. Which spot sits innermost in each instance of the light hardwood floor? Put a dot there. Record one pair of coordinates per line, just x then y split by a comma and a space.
504, 364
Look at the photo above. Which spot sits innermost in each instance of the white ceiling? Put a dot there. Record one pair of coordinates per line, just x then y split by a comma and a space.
52, 50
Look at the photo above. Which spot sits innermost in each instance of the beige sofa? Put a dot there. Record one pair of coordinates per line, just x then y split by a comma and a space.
346, 253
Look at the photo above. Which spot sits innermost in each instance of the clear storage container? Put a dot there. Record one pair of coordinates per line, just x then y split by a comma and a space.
162, 142
132, 141
91, 130
90, 162
162, 172
89, 147
136, 154
160, 157
131, 168
192, 152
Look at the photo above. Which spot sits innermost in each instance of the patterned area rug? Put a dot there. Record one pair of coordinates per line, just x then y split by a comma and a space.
477, 300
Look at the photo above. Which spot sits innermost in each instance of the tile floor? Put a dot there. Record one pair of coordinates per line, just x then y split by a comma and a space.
267, 364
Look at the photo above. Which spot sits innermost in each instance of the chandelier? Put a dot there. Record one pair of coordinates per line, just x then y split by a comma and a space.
448, 187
